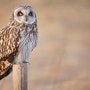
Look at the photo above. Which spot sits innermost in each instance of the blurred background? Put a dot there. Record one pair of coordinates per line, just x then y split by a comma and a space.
61, 61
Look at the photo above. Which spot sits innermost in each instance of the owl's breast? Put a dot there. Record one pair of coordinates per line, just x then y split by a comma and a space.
27, 44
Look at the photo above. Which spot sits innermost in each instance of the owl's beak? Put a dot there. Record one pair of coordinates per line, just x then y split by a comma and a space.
26, 18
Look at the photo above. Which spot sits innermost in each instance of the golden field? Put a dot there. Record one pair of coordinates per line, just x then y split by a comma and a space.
61, 61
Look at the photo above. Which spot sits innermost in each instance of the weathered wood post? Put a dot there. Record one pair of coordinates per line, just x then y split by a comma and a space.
20, 76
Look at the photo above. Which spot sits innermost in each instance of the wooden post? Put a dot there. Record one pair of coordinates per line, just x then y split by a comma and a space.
20, 76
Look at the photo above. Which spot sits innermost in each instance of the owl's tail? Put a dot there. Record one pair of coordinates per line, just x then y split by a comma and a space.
5, 69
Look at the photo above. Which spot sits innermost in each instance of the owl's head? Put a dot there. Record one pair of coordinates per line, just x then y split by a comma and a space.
24, 15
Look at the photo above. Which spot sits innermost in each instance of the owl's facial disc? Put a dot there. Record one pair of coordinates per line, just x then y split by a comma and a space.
24, 15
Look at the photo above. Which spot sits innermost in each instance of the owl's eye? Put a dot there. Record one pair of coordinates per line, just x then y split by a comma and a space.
30, 13
20, 13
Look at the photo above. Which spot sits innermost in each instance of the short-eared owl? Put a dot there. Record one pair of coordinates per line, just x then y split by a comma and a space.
18, 38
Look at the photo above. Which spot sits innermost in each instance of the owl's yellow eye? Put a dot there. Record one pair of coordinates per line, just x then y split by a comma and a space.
20, 13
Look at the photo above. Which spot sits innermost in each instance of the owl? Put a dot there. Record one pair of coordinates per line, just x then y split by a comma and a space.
18, 39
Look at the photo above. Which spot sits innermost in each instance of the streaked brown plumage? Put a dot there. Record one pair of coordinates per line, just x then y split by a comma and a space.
16, 39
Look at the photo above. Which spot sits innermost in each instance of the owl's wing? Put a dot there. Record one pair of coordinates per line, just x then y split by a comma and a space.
9, 42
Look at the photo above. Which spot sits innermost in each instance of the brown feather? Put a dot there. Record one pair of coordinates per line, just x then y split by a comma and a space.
9, 42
